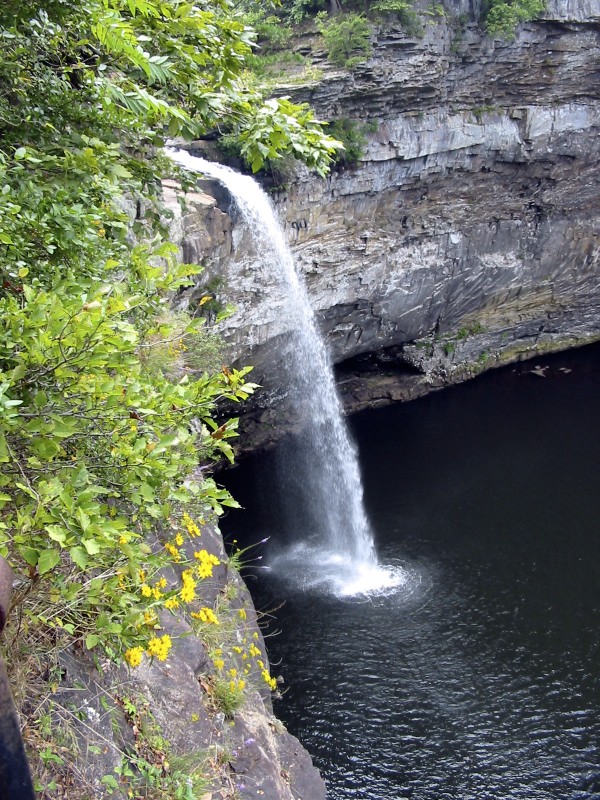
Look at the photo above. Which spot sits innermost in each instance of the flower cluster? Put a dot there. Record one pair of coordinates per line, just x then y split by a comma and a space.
191, 526
134, 656
249, 654
206, 615
271, 682
157, 594
188, 592
206, 563
158, 646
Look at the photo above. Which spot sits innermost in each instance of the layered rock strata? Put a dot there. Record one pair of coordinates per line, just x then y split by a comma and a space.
469, 233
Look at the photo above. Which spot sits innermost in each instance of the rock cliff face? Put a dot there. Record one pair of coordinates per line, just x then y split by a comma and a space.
468, 235
122, 724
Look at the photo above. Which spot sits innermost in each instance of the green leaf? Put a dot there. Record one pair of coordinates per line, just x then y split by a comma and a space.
120, 171
30, 554
91, 640
47, 560
83, 519
147, 492
45, 448
79, 557
92, 546
40, 399
57, 533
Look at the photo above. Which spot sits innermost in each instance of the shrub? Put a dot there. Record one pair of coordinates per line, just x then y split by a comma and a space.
347, 39
352, 135
272, 33
403, 11
503, 16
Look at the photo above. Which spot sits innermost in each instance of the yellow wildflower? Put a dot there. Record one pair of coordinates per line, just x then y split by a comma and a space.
156, 593
150, 618
159, 646
233, 672
172, 603
271, 682
188, 593
191, 526
207, 561
146, 590
179, 539
242, 613
133, 656
172, 550
206, 615
219, 663
204, 571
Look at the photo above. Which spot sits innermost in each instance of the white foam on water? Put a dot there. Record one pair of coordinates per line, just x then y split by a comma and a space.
311, 568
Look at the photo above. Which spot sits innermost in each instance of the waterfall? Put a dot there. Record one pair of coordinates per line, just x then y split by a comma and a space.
339, 550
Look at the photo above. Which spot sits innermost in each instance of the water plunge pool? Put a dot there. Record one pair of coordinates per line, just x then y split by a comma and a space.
479, 676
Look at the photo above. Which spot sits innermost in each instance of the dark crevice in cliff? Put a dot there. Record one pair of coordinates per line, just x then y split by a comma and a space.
388, 360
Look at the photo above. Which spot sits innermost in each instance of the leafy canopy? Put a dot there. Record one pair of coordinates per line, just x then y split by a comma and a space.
98, 442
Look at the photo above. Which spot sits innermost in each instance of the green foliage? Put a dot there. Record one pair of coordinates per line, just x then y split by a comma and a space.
347, 38
271, 33
403, 11
273, 66
106, 398
503, 16
150, 66
96, 448
281, 128
352, 135
296, 11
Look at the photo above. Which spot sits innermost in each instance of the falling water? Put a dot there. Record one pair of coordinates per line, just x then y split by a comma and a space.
339, 552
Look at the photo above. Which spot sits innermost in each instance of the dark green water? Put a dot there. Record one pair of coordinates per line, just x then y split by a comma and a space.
480, 677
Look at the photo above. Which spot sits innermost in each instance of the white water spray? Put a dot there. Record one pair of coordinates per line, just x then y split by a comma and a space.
340, 551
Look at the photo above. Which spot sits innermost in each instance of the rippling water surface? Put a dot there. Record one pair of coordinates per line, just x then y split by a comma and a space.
478, 677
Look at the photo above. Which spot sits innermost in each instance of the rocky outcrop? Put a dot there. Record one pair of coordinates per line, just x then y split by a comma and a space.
165, 725
469, 233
